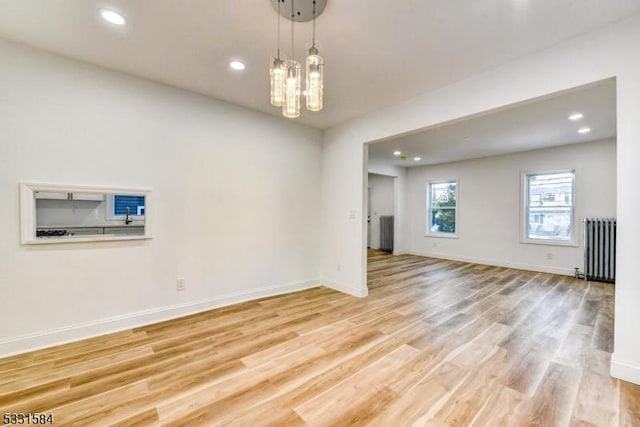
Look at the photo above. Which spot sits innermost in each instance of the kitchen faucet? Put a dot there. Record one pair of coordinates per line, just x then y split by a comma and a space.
127, 216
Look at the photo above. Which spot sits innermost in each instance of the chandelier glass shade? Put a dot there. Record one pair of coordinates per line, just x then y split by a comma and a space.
277, 74
314, 80
291, 104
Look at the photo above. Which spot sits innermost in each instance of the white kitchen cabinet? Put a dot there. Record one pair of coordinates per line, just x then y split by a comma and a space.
98, 197
50, 195
84, 231
126, 230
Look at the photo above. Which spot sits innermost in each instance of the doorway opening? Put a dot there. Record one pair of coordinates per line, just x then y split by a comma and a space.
381, 212
500, 218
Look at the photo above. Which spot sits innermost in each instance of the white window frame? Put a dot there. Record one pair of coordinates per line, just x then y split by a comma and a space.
445, 235
524, 217
28, 191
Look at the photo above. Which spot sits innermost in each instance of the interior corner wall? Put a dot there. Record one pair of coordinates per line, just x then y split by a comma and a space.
343, 263
490, 206
608, 52
236, 200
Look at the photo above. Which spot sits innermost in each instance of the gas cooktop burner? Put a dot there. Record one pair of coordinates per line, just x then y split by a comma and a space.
51, 233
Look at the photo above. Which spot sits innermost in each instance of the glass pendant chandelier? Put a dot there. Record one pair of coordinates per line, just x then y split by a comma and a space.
291, 104
277, 73
314, 72
286, 73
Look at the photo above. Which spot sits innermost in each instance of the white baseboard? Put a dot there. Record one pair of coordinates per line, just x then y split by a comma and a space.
497, 263
624, 370
347, 289
53, 337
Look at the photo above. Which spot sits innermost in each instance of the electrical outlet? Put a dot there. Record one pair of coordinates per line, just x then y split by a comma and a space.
434, 245
181, 284
339, 267
549, 256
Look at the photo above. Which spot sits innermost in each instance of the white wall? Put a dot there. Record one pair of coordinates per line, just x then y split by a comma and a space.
489, 206
236, 199
608, 52
382, 203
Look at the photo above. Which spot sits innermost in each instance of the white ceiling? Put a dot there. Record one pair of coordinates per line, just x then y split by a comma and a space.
536, 124
377, 52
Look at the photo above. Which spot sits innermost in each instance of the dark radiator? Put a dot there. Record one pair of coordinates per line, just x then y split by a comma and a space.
600, 249
386, 233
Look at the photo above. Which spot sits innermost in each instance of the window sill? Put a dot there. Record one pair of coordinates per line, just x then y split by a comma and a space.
570, 243
442, 235
85, 239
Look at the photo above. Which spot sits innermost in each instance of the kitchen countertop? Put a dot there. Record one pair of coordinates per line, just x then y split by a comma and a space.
58, 227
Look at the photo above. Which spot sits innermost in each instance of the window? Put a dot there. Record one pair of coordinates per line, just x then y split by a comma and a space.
134, 203
548, 207
117, 205
442, 208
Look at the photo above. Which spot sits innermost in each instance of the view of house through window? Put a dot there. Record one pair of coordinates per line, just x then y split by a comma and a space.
549, 206
117, 205
442, 207
134, 203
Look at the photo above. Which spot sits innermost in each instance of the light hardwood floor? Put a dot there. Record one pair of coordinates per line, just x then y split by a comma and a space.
436, 343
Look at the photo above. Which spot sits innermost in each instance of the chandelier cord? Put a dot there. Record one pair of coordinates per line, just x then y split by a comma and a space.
313, 37
279, 29
292, 21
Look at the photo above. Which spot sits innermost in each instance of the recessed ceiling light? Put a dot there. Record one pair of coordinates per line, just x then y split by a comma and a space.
113, 17
237, 65
417, 159
584, 130
397, 153
575, 117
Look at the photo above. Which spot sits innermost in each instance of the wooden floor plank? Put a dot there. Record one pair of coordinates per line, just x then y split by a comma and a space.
553, 402
334, 405
436, 342
629, 404
597, 401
